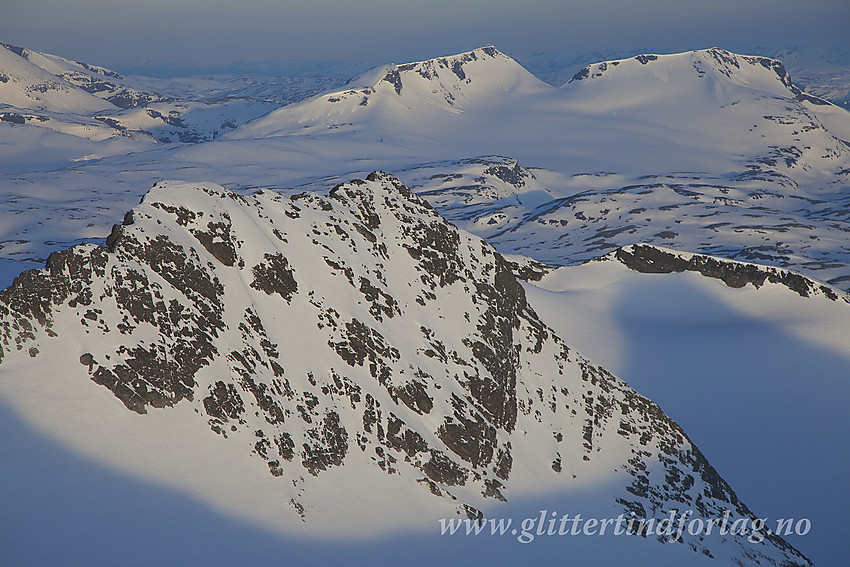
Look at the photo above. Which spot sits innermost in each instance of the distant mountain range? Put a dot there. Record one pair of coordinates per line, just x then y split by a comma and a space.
648, 143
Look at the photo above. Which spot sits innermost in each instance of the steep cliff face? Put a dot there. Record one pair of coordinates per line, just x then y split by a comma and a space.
356, 332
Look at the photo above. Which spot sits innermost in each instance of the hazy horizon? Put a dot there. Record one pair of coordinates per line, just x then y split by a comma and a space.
214, 33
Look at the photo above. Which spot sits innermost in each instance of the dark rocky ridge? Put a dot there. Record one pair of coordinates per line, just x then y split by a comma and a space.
414, 349
430, 69
652, 260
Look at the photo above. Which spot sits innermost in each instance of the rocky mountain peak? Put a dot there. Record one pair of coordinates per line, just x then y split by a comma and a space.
481, 68
357, 332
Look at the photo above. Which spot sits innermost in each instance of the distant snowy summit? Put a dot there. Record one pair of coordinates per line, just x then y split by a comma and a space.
421, 90
48, 80
751, 71
54, 94
480, 70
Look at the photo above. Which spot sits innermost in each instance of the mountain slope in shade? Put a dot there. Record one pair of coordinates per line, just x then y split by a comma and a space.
353, 347
726, 347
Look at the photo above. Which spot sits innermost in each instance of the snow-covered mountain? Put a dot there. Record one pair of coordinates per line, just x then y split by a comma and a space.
24, 84
340, 345
695, 90
98, 81
658, 107
820, 71
94, 103
687, 165
407, 96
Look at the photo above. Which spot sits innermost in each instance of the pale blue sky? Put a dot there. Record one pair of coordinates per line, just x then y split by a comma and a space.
114, 32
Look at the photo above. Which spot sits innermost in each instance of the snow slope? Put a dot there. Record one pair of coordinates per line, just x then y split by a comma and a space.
98, 81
